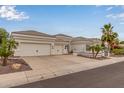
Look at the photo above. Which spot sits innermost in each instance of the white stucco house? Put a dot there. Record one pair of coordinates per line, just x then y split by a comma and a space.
34, 43
81, 44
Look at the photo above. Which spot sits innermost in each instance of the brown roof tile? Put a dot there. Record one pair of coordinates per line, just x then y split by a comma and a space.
32, 32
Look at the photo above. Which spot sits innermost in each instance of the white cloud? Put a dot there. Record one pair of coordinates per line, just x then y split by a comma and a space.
10, 13
111, 16
119, 16
109, 8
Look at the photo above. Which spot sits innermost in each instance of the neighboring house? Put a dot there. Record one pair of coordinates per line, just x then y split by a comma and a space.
81, 44
33, 43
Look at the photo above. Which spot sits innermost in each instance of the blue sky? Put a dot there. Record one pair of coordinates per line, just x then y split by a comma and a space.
85, 21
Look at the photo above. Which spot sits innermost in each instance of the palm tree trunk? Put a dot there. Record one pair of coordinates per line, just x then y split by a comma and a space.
109, 48
96, 54
4, 61
93, 53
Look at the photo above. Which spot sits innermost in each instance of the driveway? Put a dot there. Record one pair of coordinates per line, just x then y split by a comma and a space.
46, 67
56, 62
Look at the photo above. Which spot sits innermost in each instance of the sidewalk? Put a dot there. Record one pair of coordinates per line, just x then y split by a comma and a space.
18, 78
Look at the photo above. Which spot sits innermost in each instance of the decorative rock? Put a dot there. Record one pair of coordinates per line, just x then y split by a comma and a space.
16, 66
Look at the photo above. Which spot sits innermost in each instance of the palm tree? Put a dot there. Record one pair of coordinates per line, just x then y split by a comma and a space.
7, 46
108, 36
98, 48
95, 50
92, 48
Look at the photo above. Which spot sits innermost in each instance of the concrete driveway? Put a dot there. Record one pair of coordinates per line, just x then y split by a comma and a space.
56, 62
53, 66
45, 67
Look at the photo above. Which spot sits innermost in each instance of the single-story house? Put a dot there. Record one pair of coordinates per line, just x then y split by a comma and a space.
34, 43
81, 44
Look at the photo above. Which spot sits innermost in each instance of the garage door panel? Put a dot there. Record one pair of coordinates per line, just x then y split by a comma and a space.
29, 49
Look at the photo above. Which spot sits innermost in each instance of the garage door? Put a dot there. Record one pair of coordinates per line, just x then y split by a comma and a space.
28, 49
58, 49
79, 48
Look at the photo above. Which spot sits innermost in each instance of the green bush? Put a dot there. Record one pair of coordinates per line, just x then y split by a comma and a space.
118, 51
122, 42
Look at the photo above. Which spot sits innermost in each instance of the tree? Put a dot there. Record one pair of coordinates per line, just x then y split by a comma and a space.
7, 46
109, 36
96, 49
92, 48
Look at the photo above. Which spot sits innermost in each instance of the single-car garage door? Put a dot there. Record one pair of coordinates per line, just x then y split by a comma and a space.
32, 49
58, 49
79, 48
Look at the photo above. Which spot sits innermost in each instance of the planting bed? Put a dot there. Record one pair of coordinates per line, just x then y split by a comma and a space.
8, 68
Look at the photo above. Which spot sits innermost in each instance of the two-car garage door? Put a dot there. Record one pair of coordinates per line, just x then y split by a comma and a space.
32, 49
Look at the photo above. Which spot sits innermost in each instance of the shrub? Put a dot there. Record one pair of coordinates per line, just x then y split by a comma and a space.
122, 42
118, 51
118, 47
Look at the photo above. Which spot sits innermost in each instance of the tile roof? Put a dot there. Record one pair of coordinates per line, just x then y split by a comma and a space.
32, 32
36, 33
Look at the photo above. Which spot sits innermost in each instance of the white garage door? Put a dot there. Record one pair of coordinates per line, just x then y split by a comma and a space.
58, 49
28, 49
79, 48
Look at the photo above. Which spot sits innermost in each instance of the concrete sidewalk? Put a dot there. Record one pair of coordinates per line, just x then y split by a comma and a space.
53, 66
